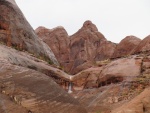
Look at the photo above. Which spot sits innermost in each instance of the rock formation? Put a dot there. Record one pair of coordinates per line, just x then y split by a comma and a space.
79, 51
22, 90
89, 45
118, 85
140, 104
107, 78
143, 46
16, 32
126, 46
58, 41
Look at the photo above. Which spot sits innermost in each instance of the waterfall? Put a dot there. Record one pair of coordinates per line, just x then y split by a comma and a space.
70, 87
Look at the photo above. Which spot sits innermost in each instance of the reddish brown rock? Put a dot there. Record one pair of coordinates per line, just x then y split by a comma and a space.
105, 50
89, 45
15, 31
140, 104
87, 78
119, 71
79, 51
23, 89
58, 41
144, 45
126, 46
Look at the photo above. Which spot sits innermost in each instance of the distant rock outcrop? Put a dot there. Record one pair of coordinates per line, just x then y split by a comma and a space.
126, 46
144, 45
89, 45
16, 32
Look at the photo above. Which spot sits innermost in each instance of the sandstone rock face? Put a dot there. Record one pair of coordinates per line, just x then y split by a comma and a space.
83, 43
58, 41
140, 104
79, 51
111, 85
146, 65
89, 45
143, 46
15, 31
8, 106
125, 67
87, 78
33, 91
107, 86
27, 60
126, 46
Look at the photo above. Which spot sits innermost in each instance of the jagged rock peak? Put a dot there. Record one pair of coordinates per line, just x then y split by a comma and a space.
89, 25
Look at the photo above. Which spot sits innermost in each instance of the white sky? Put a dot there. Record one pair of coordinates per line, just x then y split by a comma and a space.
114, 18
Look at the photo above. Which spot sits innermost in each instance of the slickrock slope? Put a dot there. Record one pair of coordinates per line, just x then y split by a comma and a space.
22, 89
126, 46
16, 32
121, 87
28, 60
9, 106
58, 41
140, 104
143, 46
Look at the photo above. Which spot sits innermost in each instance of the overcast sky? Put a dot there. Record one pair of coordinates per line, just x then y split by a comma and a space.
114, 18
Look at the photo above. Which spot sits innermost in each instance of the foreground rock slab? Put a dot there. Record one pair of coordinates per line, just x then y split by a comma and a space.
32, 91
